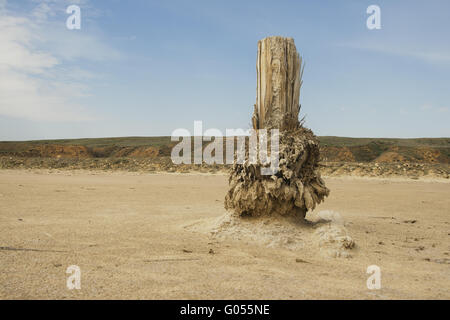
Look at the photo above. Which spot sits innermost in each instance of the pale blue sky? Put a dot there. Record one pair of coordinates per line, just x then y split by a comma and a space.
145, 68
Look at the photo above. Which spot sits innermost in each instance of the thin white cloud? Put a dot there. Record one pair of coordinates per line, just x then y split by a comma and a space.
38, 79
426, 107
74, 45
16, 47
429, 108
24, 97
435, 56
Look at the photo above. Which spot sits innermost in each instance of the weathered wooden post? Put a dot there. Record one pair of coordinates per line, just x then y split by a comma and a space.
279, 72
296, 187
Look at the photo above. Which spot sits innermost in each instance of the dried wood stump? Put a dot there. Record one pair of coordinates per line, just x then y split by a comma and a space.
297, 186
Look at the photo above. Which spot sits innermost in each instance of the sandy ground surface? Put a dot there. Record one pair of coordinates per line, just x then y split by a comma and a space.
130, 235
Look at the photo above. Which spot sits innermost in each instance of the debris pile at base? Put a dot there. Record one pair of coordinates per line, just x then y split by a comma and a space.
296, 188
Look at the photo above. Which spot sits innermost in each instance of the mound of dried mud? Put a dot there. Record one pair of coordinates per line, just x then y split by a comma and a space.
323, 233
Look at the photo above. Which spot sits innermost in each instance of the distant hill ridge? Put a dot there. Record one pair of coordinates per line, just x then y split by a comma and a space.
334, 149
